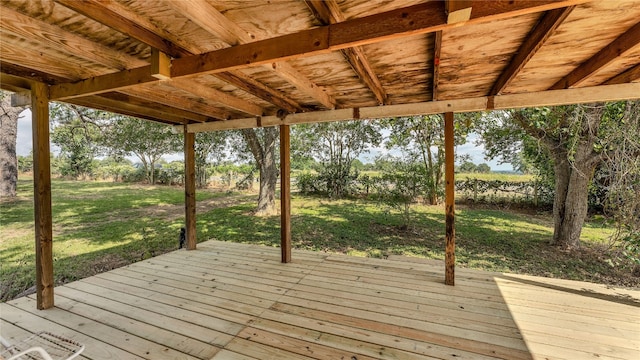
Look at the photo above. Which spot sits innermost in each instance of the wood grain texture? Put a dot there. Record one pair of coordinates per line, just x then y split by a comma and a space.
285, 193
618, 48
532, 43
238, 301
190, 189
42, 196
450, 198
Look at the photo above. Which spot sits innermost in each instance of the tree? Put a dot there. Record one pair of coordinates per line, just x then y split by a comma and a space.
483, 168
574, 140
77, 141
263, 146
335, 146
147, 140
209, 146
468, 167
8, 134
422, 138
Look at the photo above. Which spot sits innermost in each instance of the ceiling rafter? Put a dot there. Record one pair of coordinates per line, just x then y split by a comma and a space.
540, 33
209, 93
248, 84
161, 108
417, 19
210, 19
178, 102
125, 21
618, 47
328, 12
629, 75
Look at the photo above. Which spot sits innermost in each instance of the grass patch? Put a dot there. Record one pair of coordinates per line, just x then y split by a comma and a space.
99, 226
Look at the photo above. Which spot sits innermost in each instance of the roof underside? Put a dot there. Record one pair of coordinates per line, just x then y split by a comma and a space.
232, 64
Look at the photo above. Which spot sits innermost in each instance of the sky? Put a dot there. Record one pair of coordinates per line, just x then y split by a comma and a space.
24, 146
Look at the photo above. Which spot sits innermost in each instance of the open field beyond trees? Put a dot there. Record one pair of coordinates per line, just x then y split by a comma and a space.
99, 226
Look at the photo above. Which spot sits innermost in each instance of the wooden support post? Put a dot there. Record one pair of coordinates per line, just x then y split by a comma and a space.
42, 195
190, 189
450, 235
285, 194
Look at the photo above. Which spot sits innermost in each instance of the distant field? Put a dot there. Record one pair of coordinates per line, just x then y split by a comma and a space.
101, 225
495, 176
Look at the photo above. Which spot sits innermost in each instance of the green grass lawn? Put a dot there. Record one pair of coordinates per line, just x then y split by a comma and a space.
101, 225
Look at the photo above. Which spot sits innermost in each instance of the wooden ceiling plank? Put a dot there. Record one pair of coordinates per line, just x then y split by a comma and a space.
248, 84
29, 75
437, 49
629, 75
125, 22
328, 12
508, 101
211, 94
543, 30
417, 19
458, 10
62, 40
619, 47
209, 18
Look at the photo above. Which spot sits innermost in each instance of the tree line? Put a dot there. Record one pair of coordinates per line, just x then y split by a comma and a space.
573, 149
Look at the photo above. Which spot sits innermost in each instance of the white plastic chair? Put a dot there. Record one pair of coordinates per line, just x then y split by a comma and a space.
42, 345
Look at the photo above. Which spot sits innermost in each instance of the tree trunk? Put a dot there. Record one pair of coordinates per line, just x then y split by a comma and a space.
572, 183
264, 153
8, 133
562, 170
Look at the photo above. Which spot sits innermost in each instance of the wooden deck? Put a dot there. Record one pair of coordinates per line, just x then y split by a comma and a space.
233, 301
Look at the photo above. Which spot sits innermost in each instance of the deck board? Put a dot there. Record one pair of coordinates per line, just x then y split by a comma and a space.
238, 302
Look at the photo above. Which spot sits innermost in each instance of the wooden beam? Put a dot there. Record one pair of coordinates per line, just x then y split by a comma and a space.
104, 83
172, 99
157, 109
450, 231
544, 98
22, 98
61, 40
120, 19
101, 103
131, 108
619, 47
23, 76
285, 194
629, 75
458, 10
437, 49
302, 83
412, 20
530, 46
260, 90
209, 18
211, 94
42, 196
190, 189
328, 12
160, 65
